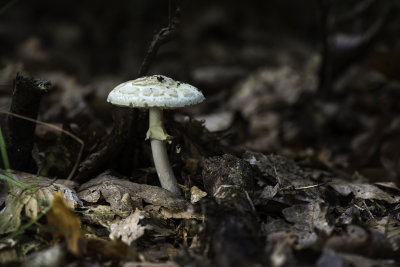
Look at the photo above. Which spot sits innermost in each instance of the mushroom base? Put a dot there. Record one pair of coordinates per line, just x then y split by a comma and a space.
163, 167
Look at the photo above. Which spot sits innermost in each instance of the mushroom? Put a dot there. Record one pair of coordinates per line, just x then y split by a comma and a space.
156, 93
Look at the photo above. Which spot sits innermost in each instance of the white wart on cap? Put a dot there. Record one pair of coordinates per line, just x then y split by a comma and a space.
155, 91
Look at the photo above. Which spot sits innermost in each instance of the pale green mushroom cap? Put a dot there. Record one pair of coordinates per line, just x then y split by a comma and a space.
155, 91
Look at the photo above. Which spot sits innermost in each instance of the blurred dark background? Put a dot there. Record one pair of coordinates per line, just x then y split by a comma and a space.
90, 39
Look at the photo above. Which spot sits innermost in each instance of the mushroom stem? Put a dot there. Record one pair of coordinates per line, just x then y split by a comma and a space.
160, 156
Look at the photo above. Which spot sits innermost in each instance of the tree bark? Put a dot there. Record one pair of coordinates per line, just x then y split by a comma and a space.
20, 133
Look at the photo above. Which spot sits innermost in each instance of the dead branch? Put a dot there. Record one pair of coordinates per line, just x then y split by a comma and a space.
19, 137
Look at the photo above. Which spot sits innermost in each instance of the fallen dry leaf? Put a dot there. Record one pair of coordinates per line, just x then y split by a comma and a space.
116, 190
363, 191
196, 194
129, 229
309, 216
34, 200
65, 224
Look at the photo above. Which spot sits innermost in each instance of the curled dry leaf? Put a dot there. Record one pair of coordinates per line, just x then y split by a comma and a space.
65, 224
363, 191
306, 219
269, 192
129, 229
311, 216
196, 194
131, 195
34, 199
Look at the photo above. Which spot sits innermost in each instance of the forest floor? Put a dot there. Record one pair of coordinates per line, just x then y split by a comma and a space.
272, 171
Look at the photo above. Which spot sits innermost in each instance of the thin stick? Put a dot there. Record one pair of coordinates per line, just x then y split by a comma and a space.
163, 36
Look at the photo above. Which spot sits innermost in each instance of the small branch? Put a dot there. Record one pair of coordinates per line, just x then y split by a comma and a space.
163, 36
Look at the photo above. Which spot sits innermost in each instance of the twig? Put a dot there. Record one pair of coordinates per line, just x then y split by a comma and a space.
163, 36
310, 186
250, 201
